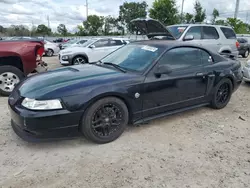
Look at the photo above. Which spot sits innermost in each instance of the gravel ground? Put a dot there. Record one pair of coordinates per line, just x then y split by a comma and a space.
199, 148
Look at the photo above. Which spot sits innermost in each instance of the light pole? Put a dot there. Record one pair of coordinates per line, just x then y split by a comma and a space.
182, 5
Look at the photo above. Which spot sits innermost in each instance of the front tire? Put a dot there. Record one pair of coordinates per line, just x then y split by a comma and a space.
9, 77
222, 94
105, 120
78, 60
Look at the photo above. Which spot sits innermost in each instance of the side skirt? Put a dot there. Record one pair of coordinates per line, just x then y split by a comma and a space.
169, 113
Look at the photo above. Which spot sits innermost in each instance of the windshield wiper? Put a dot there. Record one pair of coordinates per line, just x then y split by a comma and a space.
116, 66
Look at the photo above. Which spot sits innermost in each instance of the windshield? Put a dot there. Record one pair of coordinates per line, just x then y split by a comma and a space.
71, 41
177, 31
134, 57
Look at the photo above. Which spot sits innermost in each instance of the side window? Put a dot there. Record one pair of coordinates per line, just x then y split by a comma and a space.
206, 57
195, 31
115, 43
210, 33
228, 32
101, 43
179, 58
82, 41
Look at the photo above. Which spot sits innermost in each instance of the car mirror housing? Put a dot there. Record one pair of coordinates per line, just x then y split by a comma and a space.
162, 69
92, 46
189, 37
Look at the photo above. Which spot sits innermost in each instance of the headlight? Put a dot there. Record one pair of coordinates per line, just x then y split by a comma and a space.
67, 52
42, 104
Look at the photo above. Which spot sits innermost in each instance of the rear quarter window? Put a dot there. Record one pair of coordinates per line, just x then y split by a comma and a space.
228, 32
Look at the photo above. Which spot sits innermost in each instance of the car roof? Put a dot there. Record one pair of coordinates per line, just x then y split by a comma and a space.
186, 25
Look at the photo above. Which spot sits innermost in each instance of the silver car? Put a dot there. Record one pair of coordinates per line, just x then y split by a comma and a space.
217, 38
246, 72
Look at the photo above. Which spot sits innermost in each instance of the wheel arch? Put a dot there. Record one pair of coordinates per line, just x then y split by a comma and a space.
14, 61
81, 55
111, 94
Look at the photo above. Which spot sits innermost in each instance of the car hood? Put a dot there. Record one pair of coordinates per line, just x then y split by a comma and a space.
74, 50
69, 81
151, 28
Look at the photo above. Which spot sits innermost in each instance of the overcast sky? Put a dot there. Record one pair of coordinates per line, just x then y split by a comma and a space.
73, 12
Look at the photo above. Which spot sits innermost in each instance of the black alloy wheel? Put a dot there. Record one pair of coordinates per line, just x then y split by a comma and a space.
105, 120
222, 94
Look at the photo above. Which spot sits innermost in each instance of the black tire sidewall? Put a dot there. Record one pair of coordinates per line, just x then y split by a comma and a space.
214, 102
85, 60
86, 120
14, 70
51, 53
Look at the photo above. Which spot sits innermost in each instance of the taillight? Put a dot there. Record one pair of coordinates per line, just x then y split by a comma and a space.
237, 44
39, 53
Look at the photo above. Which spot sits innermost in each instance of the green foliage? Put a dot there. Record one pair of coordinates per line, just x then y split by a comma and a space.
189, 17
18, 30
62, 29
93, 25
239, 26
215, 14
43, 30
200, 13
165, 11
130, 11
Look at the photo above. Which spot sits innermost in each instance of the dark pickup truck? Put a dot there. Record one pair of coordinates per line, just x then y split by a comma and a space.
18, 58
244, 47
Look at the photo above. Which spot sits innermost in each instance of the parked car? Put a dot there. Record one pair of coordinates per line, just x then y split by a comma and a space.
217, 38
90, 51
59, 40
246, 72
73, 43
18, 58
51, 48
244, 47
138, 82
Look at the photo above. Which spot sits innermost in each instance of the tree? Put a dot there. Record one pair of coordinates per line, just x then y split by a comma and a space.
110, 24
200, 13
93, 24
18, 30
239, 26
81, 31
61, 28
43, 30
221, 22
215, 14
130, 11
189, 17
165, 11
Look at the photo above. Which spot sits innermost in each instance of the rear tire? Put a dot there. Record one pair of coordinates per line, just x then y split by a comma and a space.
50, 53
9, 77
222, 94
105, 120
246, 54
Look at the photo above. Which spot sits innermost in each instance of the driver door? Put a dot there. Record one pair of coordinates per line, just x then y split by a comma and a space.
99, 50
184, 86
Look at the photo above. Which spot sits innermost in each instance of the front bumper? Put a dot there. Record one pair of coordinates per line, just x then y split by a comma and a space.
67, 61
35, 126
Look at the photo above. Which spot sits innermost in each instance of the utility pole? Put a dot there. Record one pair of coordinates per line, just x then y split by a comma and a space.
247, 18
182, 5
48, 21
236, 9
87, 9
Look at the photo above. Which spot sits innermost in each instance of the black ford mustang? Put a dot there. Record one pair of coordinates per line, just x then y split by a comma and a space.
138, 82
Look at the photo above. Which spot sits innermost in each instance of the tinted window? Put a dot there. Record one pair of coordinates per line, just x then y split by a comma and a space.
115, 43
228, 32
206, 57
195, 31
181, 58
101, 43
210, 33
241, 40
134, 57
82, 41
177, 31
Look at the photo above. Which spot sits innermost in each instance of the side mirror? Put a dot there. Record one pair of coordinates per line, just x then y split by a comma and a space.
162, 69
188, 38
92, 46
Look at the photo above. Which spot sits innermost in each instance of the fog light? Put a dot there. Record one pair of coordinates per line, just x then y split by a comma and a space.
65, 57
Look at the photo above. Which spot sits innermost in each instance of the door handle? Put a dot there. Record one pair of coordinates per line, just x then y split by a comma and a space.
199, 74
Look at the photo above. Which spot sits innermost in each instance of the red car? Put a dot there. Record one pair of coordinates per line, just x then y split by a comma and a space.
18, 58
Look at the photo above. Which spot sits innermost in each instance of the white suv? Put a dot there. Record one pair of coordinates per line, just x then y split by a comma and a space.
91, 51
